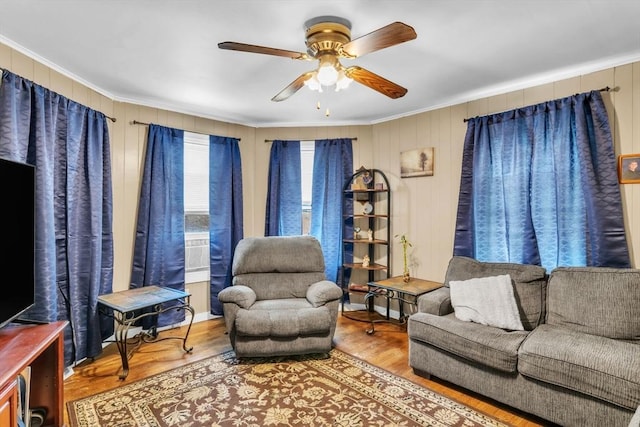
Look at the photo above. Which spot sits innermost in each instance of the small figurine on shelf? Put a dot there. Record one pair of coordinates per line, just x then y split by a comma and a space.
356, 232
367, 178
365, 261
358, 184
370, 235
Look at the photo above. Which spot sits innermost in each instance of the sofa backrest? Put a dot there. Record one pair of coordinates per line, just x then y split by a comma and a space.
278, 266
529, 284
595, 300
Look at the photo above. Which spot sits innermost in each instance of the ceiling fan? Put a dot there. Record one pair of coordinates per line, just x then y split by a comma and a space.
328, 38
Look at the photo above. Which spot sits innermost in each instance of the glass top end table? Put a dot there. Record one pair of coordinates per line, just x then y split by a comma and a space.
132, 305
404, 292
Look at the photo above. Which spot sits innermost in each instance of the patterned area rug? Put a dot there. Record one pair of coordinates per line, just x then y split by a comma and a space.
340, 390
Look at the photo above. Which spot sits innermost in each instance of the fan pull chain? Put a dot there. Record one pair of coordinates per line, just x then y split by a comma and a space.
327, 113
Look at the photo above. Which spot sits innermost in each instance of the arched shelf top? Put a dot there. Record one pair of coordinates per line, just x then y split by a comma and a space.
364, 172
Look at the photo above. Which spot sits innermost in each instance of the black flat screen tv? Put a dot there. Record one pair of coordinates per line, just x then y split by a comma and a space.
17, 239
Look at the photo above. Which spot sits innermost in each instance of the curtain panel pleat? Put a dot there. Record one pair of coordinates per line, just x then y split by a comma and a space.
332, 169
159, 252
225, 212
68, 143
539, 186
284, 192
159, 255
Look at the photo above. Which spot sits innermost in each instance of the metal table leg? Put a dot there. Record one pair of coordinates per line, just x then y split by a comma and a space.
124, 322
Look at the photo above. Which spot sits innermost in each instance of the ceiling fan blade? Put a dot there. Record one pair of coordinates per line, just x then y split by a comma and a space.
393, 34
375, 82
243, 47
293, 87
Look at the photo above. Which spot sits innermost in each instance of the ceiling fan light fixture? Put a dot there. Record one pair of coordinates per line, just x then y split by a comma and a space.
327, 72
343, 81
313, 83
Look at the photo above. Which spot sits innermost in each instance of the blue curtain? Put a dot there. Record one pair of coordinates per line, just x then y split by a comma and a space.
225, 212
539, 186
332, 168
159, 253
284, 194
68, 144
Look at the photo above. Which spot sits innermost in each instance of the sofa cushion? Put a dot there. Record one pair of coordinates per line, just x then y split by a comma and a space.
485, 345
486, 300
573, 290
283, 323
529, 282
596, 366
635, 420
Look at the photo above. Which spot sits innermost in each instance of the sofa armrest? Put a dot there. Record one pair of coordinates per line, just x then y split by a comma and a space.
436, 302
322, 292
241, 295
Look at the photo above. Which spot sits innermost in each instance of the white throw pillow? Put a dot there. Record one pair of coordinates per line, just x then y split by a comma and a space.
486, 300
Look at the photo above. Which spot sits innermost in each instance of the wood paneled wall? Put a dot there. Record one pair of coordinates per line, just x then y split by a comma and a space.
424, 208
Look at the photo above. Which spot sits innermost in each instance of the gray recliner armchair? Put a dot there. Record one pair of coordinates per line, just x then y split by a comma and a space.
280, 302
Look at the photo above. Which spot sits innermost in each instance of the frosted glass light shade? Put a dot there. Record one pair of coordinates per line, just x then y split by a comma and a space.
313, 83
327, 75
343, 81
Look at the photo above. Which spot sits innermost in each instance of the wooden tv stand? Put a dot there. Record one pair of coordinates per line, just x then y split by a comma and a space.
41, 347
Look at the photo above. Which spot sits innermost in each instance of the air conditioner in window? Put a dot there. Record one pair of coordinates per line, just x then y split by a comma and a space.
197, 257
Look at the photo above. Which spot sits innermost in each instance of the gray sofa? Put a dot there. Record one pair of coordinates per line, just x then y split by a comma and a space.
280, 302
577, 361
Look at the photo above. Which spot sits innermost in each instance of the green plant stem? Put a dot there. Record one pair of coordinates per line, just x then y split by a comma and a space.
405, 243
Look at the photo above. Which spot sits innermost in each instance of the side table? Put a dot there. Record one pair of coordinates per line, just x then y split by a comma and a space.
130, 306
395, 288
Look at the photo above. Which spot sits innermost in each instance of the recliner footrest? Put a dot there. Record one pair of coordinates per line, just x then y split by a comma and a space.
283, 323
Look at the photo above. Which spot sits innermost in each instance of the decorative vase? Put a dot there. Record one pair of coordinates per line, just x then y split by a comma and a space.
406, 277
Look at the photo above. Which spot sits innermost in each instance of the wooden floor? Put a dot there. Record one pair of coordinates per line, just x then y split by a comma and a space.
386, 348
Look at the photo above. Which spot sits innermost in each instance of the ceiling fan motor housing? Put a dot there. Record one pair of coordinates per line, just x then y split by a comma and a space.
326, 34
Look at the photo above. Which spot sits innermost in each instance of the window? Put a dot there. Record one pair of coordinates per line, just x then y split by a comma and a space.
196, 207
307, 151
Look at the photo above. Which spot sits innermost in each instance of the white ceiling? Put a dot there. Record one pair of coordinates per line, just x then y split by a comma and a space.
164, 54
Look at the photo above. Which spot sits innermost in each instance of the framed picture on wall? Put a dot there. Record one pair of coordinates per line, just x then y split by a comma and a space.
418, 162
629, 168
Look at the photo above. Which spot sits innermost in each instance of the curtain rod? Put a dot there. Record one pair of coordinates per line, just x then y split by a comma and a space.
113, 119
604, 89
271, 140
135, 122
